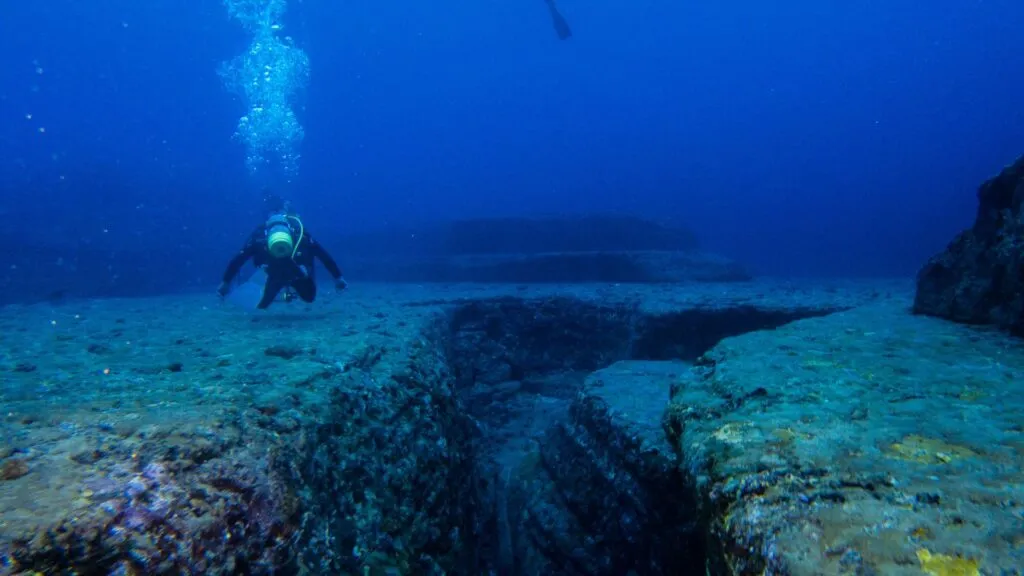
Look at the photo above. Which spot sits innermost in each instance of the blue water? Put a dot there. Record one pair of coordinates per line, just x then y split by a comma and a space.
810, 138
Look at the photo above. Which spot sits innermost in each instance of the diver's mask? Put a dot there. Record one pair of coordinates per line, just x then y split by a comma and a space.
280, 243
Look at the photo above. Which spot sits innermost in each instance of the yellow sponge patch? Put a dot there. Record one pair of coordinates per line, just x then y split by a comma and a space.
944, 565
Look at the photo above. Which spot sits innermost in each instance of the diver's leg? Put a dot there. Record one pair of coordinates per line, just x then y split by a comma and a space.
305, 288
561, 26
305, 284
270, 290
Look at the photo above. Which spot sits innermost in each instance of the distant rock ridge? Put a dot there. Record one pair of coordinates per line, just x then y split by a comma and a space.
979, 277
536, 235
596, 248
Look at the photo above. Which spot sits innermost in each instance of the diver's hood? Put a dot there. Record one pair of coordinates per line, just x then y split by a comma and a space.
280, 243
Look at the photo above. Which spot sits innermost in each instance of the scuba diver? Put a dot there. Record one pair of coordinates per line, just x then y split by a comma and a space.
285, 250
561, 26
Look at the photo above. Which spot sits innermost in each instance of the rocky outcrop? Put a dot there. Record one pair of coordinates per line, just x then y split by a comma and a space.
979, 277
869, 442
207, 505
247, 450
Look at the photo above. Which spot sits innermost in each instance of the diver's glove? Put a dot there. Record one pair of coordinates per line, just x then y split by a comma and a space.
340, 283
223, 289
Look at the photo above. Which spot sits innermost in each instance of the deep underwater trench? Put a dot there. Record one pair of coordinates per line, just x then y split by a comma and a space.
558, 489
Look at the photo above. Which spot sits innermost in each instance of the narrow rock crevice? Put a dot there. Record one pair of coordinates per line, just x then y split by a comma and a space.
687, 334
574, 473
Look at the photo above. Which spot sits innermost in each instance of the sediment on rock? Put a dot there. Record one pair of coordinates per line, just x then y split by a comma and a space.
208, 505
374, 475
866, 447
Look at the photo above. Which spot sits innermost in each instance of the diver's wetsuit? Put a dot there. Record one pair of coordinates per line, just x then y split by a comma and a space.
296, 272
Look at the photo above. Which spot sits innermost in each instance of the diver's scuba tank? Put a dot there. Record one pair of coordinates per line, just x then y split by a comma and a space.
280, 240
280, 243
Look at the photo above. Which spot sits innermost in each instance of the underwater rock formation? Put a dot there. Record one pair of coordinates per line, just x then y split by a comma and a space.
871, 441
579, 476
177, 447
390, 477
979, 277
147, 500
727, 429
538, 250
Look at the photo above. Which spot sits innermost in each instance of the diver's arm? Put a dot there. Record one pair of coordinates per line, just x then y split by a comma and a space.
329, 263
236, 263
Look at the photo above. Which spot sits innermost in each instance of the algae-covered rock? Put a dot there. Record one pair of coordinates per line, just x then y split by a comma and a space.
389, 480
245, 463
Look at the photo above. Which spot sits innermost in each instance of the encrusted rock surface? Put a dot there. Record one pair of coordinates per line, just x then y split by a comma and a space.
979, 277
510, 430
162, 436
871, 441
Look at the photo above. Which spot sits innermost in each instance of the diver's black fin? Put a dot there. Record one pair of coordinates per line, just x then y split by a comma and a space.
561, 26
